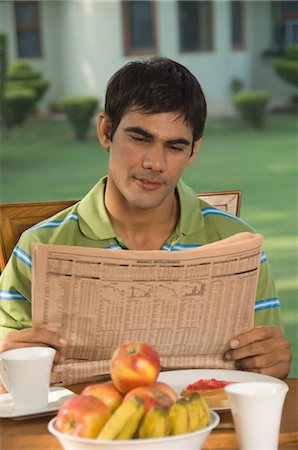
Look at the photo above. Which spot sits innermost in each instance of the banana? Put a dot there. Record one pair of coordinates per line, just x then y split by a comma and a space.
130, 428
179, 417
198, 412
120, 418
156, 423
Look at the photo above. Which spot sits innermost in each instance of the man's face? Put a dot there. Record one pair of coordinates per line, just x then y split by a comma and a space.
148, 154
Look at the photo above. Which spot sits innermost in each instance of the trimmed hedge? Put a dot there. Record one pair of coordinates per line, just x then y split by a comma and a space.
3, 72
252, 106
17, 104
287, 66
288, 70
79, 111
24, 87
22, 76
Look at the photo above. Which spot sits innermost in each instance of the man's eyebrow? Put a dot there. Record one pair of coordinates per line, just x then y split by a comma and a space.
178, 141
146, 134
140, 131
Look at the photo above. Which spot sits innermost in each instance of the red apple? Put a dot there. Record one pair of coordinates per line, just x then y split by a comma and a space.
83, 416
165, 388
151, 396
106, 392
134, 364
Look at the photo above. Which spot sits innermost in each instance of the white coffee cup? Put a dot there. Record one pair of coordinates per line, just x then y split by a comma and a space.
25, 373
256, 409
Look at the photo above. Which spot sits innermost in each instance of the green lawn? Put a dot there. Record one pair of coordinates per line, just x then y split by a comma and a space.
41, 161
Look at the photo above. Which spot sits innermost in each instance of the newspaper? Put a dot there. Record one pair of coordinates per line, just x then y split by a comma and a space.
187, 304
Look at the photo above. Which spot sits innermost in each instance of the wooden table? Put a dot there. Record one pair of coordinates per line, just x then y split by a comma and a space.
32, 434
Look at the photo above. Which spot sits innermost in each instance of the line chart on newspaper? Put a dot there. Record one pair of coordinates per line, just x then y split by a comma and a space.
187, 304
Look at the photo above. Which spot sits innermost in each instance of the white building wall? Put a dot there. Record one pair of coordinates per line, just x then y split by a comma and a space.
263, 74
83, 46
7, 26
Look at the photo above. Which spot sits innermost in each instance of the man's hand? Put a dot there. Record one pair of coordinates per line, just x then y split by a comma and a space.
263, 349
36, 336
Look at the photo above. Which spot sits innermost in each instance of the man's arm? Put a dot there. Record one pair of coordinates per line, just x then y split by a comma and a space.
263, 349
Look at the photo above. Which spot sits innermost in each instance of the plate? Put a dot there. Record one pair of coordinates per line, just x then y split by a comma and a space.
57, 396
179, 379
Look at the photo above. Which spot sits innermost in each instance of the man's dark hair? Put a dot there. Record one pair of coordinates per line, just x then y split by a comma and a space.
154, 86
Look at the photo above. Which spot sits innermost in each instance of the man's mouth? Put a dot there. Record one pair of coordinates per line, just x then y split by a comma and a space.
148, 183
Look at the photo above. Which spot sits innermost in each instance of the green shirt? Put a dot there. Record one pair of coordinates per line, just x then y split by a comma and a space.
87, 224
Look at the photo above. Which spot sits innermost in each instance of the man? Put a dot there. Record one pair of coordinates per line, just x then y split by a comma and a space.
152, 125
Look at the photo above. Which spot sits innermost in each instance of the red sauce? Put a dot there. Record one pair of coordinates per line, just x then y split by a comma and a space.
200, 385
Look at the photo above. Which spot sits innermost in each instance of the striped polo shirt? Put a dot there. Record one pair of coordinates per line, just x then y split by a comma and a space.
87, 224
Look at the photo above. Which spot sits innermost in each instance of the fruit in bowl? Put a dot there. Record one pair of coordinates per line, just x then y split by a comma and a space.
134, 364
190, 441
164, 387
145, 413
106, 392
151, 397
83, 416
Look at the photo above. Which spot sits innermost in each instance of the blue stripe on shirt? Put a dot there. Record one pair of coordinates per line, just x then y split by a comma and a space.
266, 304
114, 247
55, 223
219, 212
263, 257
11, 295
23, 256
179, 247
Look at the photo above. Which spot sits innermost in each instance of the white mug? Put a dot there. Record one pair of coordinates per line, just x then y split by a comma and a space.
25, 373
257, 409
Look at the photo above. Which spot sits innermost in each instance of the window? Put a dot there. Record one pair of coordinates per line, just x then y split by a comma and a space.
195, 25
139, 27
27, 29
237, 22
285, 15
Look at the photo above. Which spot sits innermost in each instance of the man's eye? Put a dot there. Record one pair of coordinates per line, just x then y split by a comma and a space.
137, 138
174, 148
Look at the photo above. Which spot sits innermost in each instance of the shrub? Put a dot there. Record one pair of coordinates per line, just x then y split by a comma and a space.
237, 85
288, 70
17, 103
3, 71
287, 66
79, 111
21, 70
24, 87
22, 75
252, 106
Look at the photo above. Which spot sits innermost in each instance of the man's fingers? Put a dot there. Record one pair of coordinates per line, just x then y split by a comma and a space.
36, 336
263, 349
253, 335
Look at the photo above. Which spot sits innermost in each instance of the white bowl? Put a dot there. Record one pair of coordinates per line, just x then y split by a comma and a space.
189, 441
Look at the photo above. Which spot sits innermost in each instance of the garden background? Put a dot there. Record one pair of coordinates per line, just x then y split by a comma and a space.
41, 160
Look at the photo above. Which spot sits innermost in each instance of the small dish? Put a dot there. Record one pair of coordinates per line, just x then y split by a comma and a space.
179, 379
57, 396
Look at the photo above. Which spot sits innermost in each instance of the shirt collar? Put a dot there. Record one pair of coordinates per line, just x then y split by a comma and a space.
189, 222
95, 224
93, 218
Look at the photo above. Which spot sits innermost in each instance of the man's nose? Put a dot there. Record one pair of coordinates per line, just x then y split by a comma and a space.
154, 158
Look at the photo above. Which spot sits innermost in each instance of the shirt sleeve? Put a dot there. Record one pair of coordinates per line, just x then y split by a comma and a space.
15, 290
267, 306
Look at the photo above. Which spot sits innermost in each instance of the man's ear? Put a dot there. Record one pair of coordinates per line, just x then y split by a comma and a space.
195, 150
103, 130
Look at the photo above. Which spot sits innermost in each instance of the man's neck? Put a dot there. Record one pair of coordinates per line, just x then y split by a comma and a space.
141, 229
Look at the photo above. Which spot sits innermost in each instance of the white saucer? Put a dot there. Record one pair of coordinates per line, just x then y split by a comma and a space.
57, 396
